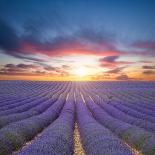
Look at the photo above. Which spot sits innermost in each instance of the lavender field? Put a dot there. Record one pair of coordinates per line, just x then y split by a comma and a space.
80, 118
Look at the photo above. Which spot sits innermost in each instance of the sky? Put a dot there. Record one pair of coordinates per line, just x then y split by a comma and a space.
77, 40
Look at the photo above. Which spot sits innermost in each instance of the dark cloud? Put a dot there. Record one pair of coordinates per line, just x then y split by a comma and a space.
17, 69
10, 65
123, 77
149, 72
11, 43
66, 67
51, 68
40, 72
21, 66
110, 62
28, 57
32, 69
26, 66
109, 59
9, 40
148, 67
115, 70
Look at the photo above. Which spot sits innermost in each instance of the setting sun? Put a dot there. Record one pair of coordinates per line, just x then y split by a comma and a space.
80, 72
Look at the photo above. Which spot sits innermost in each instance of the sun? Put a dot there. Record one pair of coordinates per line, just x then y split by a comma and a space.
81, 72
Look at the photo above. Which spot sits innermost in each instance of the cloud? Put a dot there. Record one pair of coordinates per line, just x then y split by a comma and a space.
84, 41
148, 67
66, 67
12, 69
33, 69
30, 42
145, 44
115, 70
143, 48
145, 61
101, 77
50, 68
149, 72
111, 62
101, 38
9, 40
68, 45
123, 77
26, 66
21, 66
109, 59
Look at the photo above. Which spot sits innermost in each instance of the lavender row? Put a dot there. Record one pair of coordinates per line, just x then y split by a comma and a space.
23, 102
24, 107
33, 111
25, 97
133, 106
57, 139
24, 94
138, 102
131, 112
14, 135
127, 98
18, 99
138, 138
26, 104
96, 139
123, 116
139, 108
4, 120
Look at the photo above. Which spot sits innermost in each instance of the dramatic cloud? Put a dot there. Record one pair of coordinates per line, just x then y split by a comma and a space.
70, 45
81, 42
54, 38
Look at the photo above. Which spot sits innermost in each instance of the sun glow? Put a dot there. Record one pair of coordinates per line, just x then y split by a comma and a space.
81, 72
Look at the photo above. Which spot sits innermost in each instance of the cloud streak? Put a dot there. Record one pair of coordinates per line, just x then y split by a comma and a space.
148, 67
124, 77
33, 69
149, 72
111, 62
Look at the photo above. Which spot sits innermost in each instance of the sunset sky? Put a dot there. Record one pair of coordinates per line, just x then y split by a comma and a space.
77, 39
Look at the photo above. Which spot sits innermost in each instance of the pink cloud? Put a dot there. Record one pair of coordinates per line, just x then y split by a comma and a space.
62, 48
